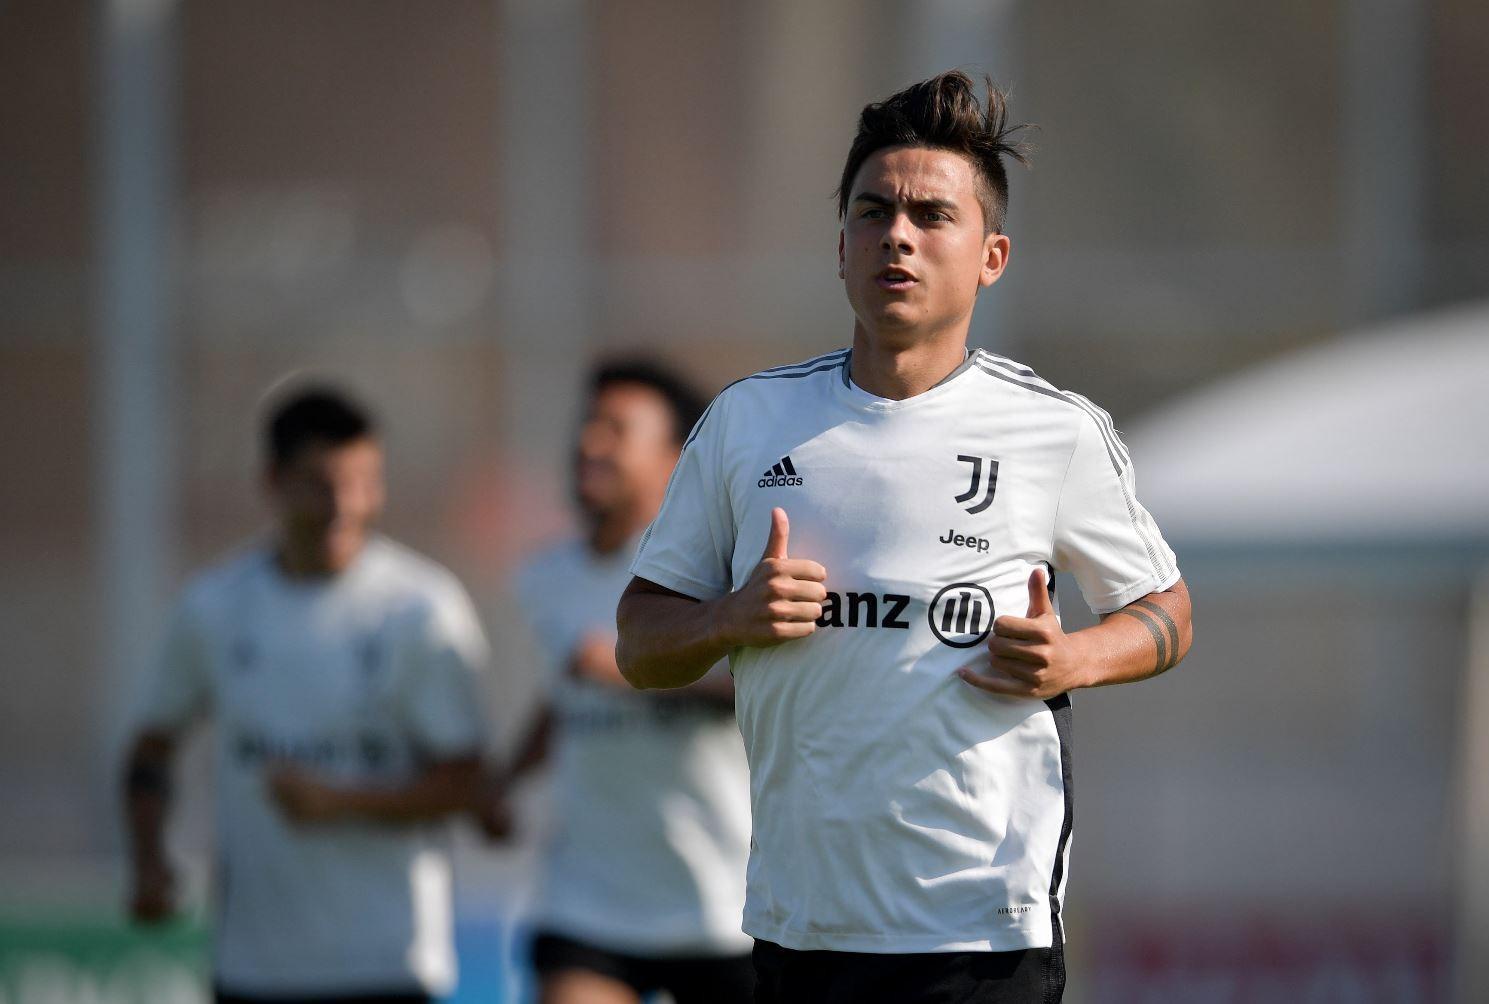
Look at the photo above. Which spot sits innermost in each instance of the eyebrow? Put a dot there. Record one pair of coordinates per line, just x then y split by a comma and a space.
873, 198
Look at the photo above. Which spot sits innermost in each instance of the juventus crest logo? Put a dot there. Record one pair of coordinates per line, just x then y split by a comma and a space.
980, 465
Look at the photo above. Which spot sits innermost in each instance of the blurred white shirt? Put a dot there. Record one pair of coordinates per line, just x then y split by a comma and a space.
360, 678
651, 791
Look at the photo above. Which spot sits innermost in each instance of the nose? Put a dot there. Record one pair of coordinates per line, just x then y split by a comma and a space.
899, 236
343, 501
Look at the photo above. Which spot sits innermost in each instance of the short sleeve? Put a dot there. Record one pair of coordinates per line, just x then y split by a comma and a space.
178, 691
444, 658
1103, 536
689, 547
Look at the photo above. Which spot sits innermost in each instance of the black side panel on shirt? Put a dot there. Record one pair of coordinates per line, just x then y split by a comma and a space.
1060, 709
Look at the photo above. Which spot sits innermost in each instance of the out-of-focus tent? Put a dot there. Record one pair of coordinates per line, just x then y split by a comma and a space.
1379, 437
1311, 769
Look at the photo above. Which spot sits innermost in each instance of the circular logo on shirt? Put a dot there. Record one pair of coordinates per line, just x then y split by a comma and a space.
961, 615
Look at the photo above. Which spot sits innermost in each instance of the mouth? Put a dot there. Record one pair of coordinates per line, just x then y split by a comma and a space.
896, 279
590, 472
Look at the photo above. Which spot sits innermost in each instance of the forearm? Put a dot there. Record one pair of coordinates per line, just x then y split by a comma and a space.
1141, 640
533, 750
145, 819
445, 789
667, 640
147, 802
147, 798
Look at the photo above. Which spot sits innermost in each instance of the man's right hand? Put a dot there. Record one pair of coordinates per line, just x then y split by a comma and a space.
782, 598
152, 899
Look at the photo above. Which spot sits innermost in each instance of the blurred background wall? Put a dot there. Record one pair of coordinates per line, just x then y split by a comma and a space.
455, 206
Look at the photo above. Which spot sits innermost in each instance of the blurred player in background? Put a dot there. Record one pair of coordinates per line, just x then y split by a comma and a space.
644, 880
340, 669
909, 749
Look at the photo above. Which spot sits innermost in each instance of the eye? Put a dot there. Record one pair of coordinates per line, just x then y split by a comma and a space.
872, 213
936, 216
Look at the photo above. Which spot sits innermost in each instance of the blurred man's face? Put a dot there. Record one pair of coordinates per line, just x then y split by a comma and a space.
326, 499
913, 252
626, 449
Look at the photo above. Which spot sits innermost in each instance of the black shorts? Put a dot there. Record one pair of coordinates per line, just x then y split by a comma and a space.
1029, 976
690, 979
221, 996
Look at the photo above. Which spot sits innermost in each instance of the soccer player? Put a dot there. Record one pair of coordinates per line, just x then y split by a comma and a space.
902, 676
340, 669
644, 878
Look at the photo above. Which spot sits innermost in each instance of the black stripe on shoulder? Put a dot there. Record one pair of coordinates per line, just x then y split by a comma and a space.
1038, 388
837, 364
817, 365
1011, 372
1107, 439
1008, 364
1116, 450
825, 357
831, 360
1104, 421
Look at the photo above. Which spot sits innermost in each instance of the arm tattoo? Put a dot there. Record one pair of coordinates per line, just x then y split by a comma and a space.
1158, 639
1168, 622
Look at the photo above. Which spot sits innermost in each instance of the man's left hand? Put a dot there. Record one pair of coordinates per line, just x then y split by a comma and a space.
594, 660
1029, 656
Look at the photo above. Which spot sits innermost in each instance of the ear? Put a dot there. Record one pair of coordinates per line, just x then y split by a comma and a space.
842, 261
995, 249
274, 476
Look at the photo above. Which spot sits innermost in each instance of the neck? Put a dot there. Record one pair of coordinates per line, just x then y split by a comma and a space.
611, 531
897, 368
312, 560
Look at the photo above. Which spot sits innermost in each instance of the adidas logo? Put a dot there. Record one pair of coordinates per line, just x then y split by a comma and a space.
782, 475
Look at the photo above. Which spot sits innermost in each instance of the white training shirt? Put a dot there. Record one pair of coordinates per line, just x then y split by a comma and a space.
361, 678
652, 793
896, 807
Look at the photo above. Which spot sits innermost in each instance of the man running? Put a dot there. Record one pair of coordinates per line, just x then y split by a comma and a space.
902, 676
340, 669
644, 879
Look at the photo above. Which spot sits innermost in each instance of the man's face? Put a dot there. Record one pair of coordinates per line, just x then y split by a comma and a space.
326, 499
626, 449
913, 252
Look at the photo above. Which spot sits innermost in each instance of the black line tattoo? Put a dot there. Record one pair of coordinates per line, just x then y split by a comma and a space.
1168, 622
1153, 629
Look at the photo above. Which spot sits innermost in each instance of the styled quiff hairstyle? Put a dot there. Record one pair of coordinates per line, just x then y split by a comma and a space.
943, 113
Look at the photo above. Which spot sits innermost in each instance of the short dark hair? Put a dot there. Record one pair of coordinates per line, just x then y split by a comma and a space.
685, 403
316, 413
943, 113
